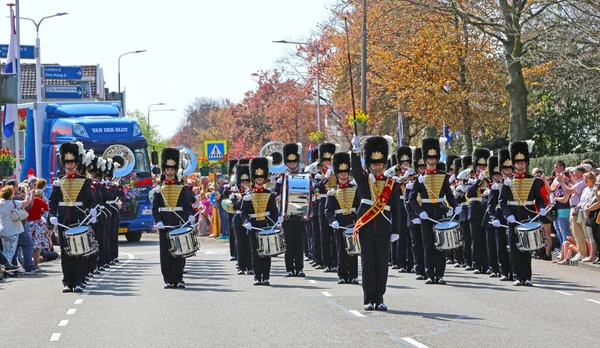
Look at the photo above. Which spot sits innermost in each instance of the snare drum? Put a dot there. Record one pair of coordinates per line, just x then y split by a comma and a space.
531, 236
351, 247
447, 235
270, 242
80, 241
183, 242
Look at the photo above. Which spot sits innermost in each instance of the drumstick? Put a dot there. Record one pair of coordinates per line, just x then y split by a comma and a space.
430, 219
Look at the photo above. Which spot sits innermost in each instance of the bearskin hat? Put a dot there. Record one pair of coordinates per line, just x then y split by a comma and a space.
480, 157
404, 154
467, 162
242, 172
504, 159
231, 167
431, 148
457, 165
450, 163
493, 165
291, 153
376, 150
418, 158
259, 168
519, 152
341, 162
169, 158
326, 151
71, 152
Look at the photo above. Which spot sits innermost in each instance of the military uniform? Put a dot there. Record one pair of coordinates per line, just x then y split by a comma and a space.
460, 199
244, 254
475, 189
115, 195
413, 221
451, 255
404, 250
463, 217
496, 214
490, 202
100, 227
71, 195
328, 249
226, 192
341, 204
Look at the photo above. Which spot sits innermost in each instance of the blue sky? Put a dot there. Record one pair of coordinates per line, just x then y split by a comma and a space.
195, 48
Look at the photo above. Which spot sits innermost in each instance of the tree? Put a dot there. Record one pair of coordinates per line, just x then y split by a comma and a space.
155, 141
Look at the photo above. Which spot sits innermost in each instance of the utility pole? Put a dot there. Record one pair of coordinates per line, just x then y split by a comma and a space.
363, 60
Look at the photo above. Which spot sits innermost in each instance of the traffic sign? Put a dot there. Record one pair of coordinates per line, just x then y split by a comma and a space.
63, 72
27, 52
215, 150
63, 92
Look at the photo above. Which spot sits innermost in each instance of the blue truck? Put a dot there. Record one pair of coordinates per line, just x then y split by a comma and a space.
100, 128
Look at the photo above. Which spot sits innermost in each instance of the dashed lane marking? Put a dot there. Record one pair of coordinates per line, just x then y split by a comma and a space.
596, 302
71, 311
414, 342
564, 293
55, 337
79, 301
326, 294
63, 323
312, 281
357, 313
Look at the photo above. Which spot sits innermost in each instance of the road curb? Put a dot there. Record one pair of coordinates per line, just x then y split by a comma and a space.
586, 265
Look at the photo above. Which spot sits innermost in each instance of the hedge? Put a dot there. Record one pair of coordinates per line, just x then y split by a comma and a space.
572, 160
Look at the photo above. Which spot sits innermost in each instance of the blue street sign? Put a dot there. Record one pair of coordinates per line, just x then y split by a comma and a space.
63, 72
215, 149
63, 92
27, 52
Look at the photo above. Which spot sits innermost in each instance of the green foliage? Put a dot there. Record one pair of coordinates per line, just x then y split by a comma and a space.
573, 159
154, 139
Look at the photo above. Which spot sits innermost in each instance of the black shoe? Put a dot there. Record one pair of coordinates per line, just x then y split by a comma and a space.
107, 266
318, 267
112, 263
301, 274
96, 271
240, 272
429, 281
469, 268
257, 282
504, 278
420, 277
476, 271
289, 274
494, 275
402, 270
329, 269
395, 267
168, 286
369, 307
180, 285
354, 281
449, 262
342, 281
78, 288
266, 282
381, 307
250, 272
101, 269
116, 261
67, 289
233, 258
440, 281
457, 265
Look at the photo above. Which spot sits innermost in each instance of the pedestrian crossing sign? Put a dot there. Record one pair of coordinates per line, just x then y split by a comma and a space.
215, 150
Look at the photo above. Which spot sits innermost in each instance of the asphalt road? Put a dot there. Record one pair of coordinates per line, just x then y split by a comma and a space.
128, 307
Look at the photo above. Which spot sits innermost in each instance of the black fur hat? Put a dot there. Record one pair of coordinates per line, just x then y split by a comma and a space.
493, 165
231, 167
404, 154
71, 152
110, 166
504, 159
519, 152
244, 161
169, 158
393, 160
259, 168
480, 157
314, 154
440, 166
376, 150
457, 165
94, 167
341, 162
242, 172
417, 158
467, 162
291, 153
450, 163
431, 148
326, 151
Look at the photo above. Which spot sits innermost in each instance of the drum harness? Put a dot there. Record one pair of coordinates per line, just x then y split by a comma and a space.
440, 200
516, 195
171, 208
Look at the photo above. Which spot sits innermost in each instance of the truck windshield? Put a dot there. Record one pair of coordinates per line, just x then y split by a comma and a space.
141, 161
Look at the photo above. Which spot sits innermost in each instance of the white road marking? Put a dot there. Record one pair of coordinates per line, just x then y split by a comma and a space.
312, 281
538, 286
80, 300
357, 313
326, 294
72, 311
414, 342
63, 323
596, 302
564, 293
55, 337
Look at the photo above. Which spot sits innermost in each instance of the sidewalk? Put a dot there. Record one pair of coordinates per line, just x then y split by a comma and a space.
586, 265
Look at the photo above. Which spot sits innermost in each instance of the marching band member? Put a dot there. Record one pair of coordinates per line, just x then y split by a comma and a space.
226, 192
171, 207
328, 251
413, 221
114, 196
341, 204
451, 254
376, 214
94, 169
71, 195
405, 173
315, 198
506, 169
241, 188
461, 200
391, 170
517, 198
259, 211
475, 189
432, 188
463, 218
490, 199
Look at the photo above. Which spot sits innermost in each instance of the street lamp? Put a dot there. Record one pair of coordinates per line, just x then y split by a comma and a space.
119, 77
318, 86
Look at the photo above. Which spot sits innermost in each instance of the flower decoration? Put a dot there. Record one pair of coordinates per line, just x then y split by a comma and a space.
361, 117
316, 136
7, 158
203, 162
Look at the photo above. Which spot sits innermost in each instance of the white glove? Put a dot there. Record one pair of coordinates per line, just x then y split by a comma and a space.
119, 204
247, 225
356, 141
511, 219
507, 182
470, 182
235, 189
452, 178
160, 225
279, 181
157, 189
44, 220
423, 215
232, 196
458, 210
318, 176
56, 182
372, 178
328, 173
273, 180
450, 213
191, 219
335, 225
416, 221
248, 197
495, 187
394, 237
543, 211
54, 220
408, 173
409, 186
496, 223
93, 212
280, 220
93, 220
482, 175
421, 179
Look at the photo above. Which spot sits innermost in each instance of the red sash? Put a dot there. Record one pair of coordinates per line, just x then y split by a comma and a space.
376, 208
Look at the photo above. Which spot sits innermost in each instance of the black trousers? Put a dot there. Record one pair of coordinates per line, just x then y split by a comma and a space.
347, 264
492, 248
308, 251
243, 249
73, 267
232, 236
262, 265
375, 253
113, 234
170, 266
478, 245
292, 232
519, 260
100, 232
327, 243
394, 253
316, 232
417, 249
405, 256
435, 260
503, 254
465, 228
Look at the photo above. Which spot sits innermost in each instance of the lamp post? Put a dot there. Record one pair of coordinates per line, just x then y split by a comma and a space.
155, 111
318, 85
119, 75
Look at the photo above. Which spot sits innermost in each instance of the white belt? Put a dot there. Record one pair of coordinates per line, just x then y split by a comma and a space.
238, 212
370, 202
254, 216
475, 199
112, 202
520, 203
70, 204
345, 211
464, 204
429, 200
170, 209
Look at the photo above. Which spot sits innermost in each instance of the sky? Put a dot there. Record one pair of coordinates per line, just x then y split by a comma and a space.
194, 49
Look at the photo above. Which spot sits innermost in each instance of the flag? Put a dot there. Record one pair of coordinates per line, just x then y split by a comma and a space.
399, 127
308, 153
447, 133
10, 110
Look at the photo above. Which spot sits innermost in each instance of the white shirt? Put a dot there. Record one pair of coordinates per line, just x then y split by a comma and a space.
8, 227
